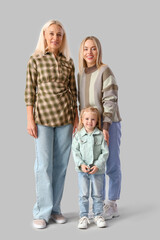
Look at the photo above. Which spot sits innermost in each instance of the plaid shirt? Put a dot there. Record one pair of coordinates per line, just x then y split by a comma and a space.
51, 89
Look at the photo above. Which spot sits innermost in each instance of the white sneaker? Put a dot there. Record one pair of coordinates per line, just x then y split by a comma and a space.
39, 223
110, 210
100, 221
83, 223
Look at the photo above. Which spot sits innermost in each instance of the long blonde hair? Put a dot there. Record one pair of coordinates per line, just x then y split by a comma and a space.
42, 45
92, 110
82, 62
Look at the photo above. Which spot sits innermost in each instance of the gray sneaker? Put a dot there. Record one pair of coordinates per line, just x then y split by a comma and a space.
110, 211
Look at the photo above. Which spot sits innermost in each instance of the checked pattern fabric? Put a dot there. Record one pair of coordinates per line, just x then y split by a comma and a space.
51, 89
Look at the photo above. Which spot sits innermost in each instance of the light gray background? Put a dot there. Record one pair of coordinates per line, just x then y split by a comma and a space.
128, 31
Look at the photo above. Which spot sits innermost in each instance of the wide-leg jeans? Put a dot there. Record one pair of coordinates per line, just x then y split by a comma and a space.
53, 147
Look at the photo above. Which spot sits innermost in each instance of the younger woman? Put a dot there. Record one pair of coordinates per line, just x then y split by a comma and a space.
90, 153
97, 87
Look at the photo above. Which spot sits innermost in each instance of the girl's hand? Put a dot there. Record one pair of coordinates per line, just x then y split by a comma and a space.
93, 170
106, 136
85, 168
32, 128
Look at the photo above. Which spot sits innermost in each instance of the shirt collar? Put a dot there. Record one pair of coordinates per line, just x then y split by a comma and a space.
50, 53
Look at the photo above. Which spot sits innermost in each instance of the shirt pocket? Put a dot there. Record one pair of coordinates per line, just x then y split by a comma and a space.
48, 80
66, 69
83, 141
50, 75
97, 141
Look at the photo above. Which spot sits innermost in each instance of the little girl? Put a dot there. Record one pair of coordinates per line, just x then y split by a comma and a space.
90, 153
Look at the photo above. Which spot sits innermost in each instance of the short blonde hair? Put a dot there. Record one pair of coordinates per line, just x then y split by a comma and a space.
92, 110
82, 62
41, 45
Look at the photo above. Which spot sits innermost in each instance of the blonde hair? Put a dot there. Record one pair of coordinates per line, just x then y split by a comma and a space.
82, 62
42, 45
91, 110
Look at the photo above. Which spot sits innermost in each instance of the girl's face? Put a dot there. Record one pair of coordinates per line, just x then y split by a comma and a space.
89, 120
54, 36
90, 53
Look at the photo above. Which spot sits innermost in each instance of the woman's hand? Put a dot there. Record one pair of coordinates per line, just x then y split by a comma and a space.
106, 136
32, 128
85, 168
93, 170
75, 122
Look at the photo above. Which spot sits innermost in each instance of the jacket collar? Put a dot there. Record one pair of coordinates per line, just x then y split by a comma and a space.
83, 132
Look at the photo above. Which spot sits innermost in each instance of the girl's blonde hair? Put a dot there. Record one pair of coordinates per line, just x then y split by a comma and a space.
82, 62
92, 110
42, 45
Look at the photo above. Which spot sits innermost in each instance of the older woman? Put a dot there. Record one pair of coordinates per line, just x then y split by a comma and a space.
50, 97
98, 88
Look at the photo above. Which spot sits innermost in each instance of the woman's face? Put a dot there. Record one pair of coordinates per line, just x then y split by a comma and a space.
54, 36
90, 53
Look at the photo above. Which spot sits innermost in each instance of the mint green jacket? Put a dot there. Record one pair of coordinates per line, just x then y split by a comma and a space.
90, 148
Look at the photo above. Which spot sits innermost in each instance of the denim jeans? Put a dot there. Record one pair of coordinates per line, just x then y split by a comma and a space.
96, 182
52, 155
113, 163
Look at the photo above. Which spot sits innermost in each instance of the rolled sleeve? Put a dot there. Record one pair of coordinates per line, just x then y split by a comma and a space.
73, 84
31, 83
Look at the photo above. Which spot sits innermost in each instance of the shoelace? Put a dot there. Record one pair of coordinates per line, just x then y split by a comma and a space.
99, 218
83, 218
106, 207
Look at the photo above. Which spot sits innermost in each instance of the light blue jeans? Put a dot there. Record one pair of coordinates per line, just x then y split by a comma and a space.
113, 162
53, 147
96, 182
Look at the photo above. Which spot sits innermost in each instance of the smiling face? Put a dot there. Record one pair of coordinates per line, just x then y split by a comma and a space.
54, 37
89, 120
90, 53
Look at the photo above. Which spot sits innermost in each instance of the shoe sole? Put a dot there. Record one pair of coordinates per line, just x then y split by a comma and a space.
60, 221
82, 228
102, 226
39, 227
112, 216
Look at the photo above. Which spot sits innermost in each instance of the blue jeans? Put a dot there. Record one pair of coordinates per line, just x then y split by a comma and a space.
96, 181
113, 162
53, 147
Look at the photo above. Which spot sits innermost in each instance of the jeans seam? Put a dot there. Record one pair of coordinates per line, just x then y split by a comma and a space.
37, 178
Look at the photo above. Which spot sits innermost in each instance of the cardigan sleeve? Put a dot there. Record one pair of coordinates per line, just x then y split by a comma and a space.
109, 97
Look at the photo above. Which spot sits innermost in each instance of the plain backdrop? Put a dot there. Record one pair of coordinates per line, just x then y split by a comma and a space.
129, 34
